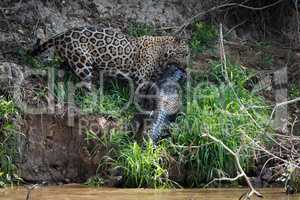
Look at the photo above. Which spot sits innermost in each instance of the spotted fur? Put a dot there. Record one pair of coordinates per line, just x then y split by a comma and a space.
88, 49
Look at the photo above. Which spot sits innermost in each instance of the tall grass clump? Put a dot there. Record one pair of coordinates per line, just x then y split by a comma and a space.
143, 166
140, 165
8, 144
225, 110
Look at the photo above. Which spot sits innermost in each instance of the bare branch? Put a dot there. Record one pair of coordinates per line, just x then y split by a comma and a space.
189, 21
241, 172
224, 179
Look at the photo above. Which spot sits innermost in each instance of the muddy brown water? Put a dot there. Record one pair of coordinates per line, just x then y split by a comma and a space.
86, 193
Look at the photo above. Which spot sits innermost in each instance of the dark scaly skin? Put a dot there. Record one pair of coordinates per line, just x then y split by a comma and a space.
88, 50
169, 101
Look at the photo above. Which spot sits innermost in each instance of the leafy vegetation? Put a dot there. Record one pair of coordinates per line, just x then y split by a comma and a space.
8, 145
203, 35
95, 181
140, 29
114, 100
294, 91
143, 166
226, 111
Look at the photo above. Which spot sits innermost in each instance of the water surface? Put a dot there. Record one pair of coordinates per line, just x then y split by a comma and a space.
85, 193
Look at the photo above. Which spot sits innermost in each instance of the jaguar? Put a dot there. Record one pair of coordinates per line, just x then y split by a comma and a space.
88, 50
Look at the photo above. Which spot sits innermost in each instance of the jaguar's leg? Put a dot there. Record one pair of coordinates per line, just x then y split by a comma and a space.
84, 71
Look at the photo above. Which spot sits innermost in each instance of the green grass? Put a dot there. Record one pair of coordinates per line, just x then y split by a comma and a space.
140, 29
225, 111
114, 100
203, 35
8, 144
294, 91
143, 166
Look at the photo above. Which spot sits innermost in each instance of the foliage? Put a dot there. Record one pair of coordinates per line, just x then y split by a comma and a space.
294, 91
203, 34
95, 181
140, 29
226, 111
143, 166
113, 100
8, 144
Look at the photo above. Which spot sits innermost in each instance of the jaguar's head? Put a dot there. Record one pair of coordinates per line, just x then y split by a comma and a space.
175, 50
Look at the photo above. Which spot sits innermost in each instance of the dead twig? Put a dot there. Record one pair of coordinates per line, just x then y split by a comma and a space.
29, 189
241, 172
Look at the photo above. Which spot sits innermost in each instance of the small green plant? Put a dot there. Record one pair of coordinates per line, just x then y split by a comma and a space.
7, 109
203, 34
294, 91
267, 59
140, 29
8, 144
95, 181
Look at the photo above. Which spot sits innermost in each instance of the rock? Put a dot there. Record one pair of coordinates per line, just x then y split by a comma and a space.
10, 75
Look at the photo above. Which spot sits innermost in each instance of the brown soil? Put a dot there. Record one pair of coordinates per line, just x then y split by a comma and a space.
54, 151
